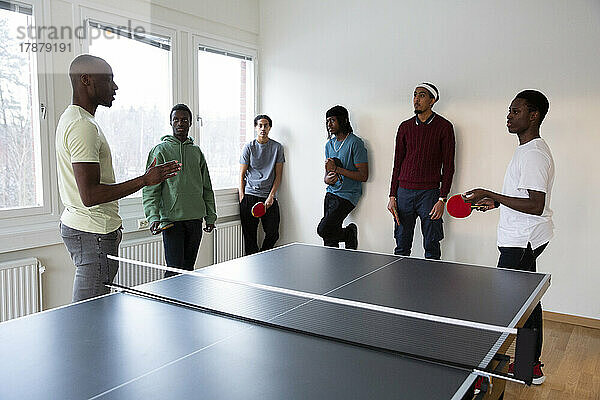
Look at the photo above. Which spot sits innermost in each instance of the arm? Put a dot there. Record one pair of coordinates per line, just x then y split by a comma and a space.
151, 196
535, 175
358, 158
83, 143
243, 170
276, 183
399, 154
534, 204
448, 150
92, 192
208, 195
361, 175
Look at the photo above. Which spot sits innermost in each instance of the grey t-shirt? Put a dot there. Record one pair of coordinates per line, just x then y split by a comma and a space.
261, 160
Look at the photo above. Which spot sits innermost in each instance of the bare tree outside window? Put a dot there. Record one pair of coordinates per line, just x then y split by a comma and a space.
20, 156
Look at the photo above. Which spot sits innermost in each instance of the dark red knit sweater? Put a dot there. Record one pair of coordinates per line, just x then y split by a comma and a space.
424, 156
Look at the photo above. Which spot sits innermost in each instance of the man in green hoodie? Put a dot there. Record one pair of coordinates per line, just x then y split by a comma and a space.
177, 207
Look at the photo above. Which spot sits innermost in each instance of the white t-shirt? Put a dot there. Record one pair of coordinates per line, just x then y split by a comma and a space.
531, 167
80, 139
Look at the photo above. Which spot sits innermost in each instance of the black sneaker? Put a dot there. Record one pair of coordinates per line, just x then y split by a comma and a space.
352, 241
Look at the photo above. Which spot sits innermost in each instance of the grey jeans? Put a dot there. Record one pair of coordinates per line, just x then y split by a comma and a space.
88, 252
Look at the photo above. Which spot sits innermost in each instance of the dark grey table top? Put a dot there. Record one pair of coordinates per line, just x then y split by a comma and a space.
122, 346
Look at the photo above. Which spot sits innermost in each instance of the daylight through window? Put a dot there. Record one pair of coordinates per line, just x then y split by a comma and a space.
139, 116
226, 111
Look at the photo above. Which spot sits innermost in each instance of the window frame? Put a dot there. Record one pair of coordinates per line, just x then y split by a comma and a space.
225, 198
38, 223
130, 209
40, 226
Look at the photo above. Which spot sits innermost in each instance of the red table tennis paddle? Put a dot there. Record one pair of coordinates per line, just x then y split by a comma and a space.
259, 209
459, 208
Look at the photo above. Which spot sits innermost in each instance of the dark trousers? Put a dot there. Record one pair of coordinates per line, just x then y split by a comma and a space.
270, 224
413, 203
524, 259
181, 243
335, 210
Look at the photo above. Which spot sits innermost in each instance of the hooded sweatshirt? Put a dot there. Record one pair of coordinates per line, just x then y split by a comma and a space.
185, 196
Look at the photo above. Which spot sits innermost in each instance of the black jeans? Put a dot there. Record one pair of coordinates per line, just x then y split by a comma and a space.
270, 224
181, 243
524, 259
335, 210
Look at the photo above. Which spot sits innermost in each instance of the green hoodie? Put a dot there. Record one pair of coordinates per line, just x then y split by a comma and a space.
189, 194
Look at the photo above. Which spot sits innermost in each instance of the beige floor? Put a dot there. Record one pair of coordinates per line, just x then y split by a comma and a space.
571, 357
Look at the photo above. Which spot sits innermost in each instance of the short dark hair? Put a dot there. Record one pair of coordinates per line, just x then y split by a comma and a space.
263, 116
341, 113
180, 107
536, 101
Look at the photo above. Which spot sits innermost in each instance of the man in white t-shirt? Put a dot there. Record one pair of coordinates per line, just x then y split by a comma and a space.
525, 225
90, 224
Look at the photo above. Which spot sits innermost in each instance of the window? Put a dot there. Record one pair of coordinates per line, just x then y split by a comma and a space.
21, 178
225, 111
139, 116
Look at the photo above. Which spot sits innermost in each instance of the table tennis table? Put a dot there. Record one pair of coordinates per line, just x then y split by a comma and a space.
123, 346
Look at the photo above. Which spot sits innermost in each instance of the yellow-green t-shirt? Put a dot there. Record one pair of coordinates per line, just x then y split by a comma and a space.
80, 139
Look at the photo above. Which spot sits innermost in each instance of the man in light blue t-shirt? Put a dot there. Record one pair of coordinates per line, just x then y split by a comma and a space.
347, 166
261, 167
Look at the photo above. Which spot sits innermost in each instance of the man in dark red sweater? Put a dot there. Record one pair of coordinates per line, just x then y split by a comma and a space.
423, 159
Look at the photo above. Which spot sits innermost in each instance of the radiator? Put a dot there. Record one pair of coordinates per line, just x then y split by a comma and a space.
229, 242
148, 250
20, 288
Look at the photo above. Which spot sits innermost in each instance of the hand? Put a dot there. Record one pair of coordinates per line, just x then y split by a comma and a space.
269, 201
154, 227
330, 165
475, 195
331, 178
391, 205
241, 195
209, 228
156, 174
438, 210
485, 204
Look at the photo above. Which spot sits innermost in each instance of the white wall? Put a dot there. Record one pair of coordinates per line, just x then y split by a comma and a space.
368, 56
235, 21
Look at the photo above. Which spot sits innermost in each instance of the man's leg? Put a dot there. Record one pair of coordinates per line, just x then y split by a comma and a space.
432, 229
174, 244
335, 210
524, 259
270, 223
404, 232
249, 224
193, 236
88, 252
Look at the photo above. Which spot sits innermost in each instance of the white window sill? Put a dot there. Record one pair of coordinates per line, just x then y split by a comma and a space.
32, 232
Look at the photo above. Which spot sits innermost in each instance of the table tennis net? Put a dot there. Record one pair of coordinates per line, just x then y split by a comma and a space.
461, 346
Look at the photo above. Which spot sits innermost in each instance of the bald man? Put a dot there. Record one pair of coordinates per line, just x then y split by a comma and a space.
90, 225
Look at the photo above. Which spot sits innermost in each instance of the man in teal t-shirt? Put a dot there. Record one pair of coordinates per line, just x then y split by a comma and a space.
347, 166
177, 207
